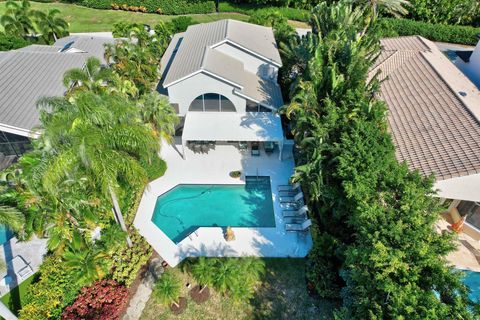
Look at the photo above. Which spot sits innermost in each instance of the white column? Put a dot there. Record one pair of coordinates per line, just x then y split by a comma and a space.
280, 147
6, 313
183, 149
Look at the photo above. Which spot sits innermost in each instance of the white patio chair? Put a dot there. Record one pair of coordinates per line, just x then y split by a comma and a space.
294, 199
295, 213
298, 226
288, 187
21, 268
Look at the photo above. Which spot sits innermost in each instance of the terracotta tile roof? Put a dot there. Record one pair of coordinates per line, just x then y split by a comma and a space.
435, 130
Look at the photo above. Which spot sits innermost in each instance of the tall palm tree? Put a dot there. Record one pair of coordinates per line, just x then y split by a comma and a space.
167, 290
157, 111
93, 77
103, 137
51, 26
18, 18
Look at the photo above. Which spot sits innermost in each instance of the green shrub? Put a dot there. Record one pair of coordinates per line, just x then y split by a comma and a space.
155, 169
129, 261
122, 29
97, 4
180, 24
391, 27
10, 42
289, 13
170, 7
56, 288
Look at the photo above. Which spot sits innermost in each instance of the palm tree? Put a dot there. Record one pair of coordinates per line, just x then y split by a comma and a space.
396, 8
167, 290
51, 26
17, 19
100, 135
157, 111
93, 77
10, 215
203, 271
85, 260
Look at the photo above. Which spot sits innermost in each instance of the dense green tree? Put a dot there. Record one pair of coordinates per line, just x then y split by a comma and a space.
375, 245
10, 215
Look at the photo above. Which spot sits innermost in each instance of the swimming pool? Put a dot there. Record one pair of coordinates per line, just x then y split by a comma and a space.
472, 280
5, 234
186, 207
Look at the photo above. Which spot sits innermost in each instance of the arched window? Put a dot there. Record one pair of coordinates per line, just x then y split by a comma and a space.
212, 102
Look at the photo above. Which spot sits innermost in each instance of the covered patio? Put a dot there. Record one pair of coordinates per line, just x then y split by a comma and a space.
245, 128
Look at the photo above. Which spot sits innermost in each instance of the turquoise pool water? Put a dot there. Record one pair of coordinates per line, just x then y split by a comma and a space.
472, 280
186, 207
5, 234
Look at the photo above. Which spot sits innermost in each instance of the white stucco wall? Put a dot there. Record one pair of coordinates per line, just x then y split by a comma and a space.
461, 188
187, 90
250, 62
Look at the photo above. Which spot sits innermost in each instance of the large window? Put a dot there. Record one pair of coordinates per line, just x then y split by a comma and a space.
212, 102
472, 211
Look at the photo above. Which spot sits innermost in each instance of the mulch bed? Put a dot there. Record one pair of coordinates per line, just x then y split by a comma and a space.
199, 297
182, 305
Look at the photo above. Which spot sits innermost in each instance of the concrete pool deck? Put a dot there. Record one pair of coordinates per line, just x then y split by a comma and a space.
214, 168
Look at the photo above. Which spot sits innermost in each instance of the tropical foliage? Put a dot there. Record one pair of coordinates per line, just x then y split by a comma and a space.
105, 299
375, 246
21, 21
235, 277
167, 289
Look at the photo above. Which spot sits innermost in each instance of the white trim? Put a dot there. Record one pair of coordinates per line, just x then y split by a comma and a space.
18, 131
258, 55
241, 94
211, 74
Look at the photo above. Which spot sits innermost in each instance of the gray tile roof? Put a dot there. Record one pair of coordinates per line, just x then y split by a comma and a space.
30, 73
92, 46
264, 91
190, 56
434, 129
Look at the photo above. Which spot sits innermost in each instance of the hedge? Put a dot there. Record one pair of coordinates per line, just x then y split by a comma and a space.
170, 7
391, 27
9, 42
249, 9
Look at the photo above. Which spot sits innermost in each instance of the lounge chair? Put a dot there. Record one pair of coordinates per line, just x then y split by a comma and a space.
269, 146
295, 213
21, 268
298, 226
288, 187
255, 150
295, 199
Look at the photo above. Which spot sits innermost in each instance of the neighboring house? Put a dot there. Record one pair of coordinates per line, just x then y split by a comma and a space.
221, 78
434, 117
31, 73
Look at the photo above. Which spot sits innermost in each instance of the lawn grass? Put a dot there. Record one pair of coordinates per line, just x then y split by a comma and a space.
15, 299
83, 19
281, 295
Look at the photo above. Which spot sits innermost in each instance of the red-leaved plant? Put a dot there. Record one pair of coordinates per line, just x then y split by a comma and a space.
103, 300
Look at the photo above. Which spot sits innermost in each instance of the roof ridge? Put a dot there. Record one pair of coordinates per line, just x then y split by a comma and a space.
204, 57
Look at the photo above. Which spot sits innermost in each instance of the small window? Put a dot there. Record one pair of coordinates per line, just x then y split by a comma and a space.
211, 101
